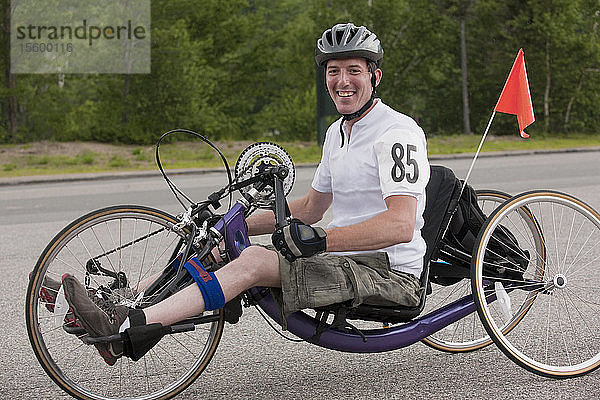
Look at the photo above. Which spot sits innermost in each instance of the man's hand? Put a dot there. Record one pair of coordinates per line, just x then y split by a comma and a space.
299, 240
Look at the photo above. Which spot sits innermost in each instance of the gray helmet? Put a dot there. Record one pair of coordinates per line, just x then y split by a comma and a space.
348, 40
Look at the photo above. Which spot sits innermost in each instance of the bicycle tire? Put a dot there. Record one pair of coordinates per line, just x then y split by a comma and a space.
141, 240
559, 289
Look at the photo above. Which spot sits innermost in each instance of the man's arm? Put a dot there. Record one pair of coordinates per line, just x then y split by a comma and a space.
309, 209
393, 226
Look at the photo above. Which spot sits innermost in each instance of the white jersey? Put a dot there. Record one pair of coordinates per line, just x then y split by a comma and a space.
385, 155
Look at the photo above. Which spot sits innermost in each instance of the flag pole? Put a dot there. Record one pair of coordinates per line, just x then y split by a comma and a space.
514, 99
464, 184
478, 150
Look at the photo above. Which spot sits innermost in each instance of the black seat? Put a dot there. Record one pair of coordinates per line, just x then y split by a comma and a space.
441, 199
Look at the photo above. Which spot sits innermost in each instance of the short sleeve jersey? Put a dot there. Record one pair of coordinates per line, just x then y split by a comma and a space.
385, 156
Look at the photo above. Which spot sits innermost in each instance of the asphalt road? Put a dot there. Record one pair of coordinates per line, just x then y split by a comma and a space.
252, 360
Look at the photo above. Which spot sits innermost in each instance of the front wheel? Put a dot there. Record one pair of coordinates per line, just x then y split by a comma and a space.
132, 244
555, 286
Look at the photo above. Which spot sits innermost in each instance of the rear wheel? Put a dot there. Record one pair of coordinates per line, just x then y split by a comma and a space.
558, 291
467, 334
133, 242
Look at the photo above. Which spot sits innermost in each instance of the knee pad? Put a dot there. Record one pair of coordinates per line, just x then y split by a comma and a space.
209, 285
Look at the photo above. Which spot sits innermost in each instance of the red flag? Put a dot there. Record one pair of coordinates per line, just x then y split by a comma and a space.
515, 97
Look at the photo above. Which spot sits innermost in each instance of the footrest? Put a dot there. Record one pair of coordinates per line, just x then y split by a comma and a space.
138, 340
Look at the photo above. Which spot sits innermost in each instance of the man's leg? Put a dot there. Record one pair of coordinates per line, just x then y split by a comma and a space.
256, 266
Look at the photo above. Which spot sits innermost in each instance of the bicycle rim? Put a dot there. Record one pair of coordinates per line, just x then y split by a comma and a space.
137, 241
559, 290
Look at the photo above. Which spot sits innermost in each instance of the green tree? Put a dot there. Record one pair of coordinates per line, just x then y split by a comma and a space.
559, 42
289, 99
243, 69
8, 93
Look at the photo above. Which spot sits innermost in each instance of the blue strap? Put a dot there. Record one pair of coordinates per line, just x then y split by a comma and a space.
209, 285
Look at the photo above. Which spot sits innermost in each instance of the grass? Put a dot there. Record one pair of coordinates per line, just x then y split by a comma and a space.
468, 144
44, 158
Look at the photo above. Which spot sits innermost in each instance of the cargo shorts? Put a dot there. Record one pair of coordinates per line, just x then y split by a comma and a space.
326, 279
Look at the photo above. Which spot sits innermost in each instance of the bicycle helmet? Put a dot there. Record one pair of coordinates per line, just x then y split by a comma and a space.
348, 40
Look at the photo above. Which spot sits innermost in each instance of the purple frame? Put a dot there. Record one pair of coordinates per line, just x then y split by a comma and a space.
304, 326
235, 230
378, 340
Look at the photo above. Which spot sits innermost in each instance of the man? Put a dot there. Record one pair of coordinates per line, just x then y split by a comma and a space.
373, 174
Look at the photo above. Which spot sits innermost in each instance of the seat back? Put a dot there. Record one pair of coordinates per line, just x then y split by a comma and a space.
441, 197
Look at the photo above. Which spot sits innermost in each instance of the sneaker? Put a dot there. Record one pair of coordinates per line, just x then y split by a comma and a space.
48, 291
99, 316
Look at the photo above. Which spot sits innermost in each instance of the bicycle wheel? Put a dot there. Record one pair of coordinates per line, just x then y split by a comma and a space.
467, 334
558, 290
137, 243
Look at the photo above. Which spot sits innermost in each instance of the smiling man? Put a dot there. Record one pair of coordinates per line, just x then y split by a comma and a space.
372, 174
376, 167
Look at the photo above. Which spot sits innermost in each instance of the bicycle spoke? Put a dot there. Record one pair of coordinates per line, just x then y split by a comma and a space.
139, 243
560, 308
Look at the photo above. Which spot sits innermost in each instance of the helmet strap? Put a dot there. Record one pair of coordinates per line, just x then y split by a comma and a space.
354, 115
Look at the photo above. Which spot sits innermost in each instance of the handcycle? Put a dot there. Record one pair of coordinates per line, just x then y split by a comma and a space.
531, 277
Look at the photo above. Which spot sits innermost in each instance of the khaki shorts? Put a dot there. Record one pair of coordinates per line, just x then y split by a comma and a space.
326, 279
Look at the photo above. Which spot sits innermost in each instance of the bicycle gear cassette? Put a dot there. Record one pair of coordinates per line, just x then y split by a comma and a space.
255, 158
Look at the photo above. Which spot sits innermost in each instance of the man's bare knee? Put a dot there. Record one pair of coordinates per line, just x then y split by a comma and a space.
262, 264
256, 252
